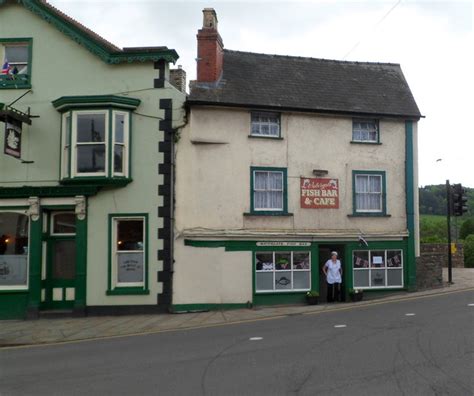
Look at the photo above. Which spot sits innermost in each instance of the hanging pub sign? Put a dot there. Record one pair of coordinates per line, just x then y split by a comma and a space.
12, 145
319, 193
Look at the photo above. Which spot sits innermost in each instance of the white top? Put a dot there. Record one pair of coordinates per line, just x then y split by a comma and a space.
333, 271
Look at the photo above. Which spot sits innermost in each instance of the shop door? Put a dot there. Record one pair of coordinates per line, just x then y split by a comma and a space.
325, 255
60, 281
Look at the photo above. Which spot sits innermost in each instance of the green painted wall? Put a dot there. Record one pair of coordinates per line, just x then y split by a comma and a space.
61, 67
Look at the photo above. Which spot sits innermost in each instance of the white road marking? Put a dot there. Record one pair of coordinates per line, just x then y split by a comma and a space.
410, 314
255, 338
470, 305
339, 326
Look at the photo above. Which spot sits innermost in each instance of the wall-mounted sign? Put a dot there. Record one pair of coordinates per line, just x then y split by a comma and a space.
283, 243
12, 144
319, 193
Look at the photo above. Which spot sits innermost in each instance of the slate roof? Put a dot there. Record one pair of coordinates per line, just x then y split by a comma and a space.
308, 84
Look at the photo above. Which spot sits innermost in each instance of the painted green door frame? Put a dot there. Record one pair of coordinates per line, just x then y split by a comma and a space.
52, 284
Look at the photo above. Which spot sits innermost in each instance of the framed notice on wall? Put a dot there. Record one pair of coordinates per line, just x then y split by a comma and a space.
319, 193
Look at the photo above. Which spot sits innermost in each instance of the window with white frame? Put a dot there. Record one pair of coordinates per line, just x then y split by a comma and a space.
365, 131
14, 245
369, 196
268, 189
282, 271
95, 143
128, 252
265, 124
377, 268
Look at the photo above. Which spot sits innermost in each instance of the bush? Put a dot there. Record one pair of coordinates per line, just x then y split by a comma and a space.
467, 228
469, 251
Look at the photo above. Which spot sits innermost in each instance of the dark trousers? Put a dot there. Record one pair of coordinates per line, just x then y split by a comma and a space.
334, 292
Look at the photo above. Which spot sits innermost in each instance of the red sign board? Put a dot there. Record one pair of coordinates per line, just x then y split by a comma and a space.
318, 193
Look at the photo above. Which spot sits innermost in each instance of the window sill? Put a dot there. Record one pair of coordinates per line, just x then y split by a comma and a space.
369, 143
10, 291
263, 213
97, 181
13, 86
369, 215
125, 291
265, 137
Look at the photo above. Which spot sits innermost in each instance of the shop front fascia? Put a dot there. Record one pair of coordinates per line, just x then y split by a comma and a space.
26, 299
349, 249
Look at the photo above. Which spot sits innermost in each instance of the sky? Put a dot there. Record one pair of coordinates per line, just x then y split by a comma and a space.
431, 40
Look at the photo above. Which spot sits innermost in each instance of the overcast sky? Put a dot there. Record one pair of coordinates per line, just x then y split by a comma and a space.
432, 40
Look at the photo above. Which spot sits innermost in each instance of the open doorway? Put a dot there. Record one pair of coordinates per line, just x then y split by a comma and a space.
325, 255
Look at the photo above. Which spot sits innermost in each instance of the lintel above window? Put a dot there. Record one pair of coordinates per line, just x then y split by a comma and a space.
265, 124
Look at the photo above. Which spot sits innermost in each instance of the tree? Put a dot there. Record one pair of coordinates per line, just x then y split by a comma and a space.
467, 228
469, 251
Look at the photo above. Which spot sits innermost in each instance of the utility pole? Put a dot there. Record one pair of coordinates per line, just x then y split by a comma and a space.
449, 210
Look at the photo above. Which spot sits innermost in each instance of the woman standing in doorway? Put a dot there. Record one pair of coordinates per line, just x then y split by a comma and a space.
333, 271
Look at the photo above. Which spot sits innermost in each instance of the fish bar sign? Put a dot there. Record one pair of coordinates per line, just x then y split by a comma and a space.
318, 193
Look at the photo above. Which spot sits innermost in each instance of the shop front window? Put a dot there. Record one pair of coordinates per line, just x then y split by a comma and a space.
282, 271
14, 243
374, 269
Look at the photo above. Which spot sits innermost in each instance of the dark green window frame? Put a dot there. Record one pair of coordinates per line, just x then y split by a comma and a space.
112, 288
106, 104
361, 213
20, 81
284, 211
362, 141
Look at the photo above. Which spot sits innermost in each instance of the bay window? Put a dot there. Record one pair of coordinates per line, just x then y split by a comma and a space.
95, 138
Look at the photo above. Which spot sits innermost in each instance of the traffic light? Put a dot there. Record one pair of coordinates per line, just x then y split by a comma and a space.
458, 199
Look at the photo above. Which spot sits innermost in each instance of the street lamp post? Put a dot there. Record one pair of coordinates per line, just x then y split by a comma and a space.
448, 212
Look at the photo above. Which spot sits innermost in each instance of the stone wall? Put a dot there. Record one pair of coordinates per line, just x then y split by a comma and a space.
442, 250
429, 266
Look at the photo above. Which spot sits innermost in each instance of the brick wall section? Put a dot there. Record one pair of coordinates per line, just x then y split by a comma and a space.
210, 54
442, 250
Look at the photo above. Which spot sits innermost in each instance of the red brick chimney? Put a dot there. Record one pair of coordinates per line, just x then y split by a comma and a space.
210, 49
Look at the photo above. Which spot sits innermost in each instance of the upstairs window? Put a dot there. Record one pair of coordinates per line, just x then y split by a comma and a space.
369, 192
268, 190
365, 131
265, 124
15, 58
95, 143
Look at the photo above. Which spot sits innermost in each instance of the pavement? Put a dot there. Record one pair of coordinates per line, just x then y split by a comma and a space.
14, 333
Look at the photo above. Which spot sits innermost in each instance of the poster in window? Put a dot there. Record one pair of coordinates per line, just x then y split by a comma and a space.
319, 193
130, 267
13, 269
12, 144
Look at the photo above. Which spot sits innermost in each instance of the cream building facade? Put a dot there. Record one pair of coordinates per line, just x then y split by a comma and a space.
283, 160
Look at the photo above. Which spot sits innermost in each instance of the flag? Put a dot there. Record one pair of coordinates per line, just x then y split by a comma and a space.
6, 67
